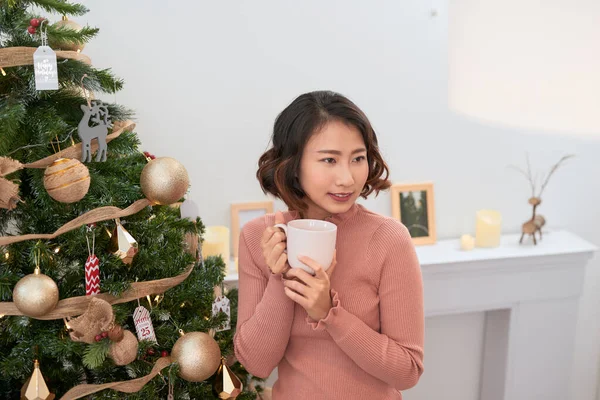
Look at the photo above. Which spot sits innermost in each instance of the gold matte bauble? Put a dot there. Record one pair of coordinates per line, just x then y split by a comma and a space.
164, 180
35, 295
198, 356
124, 351
67, 24
67, 180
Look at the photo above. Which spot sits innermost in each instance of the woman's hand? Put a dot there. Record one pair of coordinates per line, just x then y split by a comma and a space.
311, 292
273, 245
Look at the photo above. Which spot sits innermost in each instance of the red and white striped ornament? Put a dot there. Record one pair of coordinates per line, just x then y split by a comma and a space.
92, 275
143, 324
92, 265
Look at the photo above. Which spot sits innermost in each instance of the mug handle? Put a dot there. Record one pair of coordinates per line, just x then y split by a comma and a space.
282, 226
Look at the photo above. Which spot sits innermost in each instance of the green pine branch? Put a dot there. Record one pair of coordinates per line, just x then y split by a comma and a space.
95, 354
58, 36
12, 115
60, 7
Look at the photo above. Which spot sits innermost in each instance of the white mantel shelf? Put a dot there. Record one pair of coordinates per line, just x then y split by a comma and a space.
552, 244
530, 296
557, 243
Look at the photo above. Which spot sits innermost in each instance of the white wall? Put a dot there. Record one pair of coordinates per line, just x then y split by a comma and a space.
208, 78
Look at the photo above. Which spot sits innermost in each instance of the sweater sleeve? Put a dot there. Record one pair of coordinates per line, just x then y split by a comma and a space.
394, 355
265, 313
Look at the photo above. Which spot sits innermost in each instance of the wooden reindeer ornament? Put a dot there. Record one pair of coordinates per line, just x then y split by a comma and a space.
535, 224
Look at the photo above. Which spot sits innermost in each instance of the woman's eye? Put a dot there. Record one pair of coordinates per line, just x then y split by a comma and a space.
328, 160
360, 158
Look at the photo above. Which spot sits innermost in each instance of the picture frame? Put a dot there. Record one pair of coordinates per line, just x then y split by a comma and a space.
413, 204
242, 213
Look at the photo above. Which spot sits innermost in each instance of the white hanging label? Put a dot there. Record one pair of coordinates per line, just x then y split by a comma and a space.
46, 72
143, 324
221, 304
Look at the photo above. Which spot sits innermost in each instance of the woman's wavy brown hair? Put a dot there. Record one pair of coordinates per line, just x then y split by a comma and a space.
278, 167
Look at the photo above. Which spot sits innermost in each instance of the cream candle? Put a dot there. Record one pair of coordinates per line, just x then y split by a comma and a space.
467, 242
216, 243
487, 229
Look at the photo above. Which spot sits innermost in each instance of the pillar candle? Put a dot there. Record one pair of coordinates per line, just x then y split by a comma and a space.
487, 229
216, 243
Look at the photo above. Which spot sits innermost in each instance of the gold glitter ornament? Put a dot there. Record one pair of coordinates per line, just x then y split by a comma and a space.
67, 180
35, 387
198, 356
164, 180
227, 385
36, 294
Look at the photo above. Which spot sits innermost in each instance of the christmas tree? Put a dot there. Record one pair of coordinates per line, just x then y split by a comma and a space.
92, 236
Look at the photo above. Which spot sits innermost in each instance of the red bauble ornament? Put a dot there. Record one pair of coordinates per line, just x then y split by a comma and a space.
150, 351
164, 353
31, 30
34, 22
98, 338
104, 334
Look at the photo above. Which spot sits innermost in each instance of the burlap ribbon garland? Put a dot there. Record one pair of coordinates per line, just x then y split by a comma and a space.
8, 165
96, 215
9, 196
77, 305
130, 386
21, 55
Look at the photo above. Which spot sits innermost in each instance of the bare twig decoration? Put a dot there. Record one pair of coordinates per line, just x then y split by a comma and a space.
536, 222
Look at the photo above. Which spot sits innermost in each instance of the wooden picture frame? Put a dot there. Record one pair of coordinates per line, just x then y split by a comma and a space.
242, 213
421, 221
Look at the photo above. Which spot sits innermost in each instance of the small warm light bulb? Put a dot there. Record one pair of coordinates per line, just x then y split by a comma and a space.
6, 255
56, 250
3, 71
182, 305
67, 324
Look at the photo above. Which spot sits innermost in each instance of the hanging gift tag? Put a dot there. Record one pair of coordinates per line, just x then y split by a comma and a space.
143, 324
221, 304
46, 72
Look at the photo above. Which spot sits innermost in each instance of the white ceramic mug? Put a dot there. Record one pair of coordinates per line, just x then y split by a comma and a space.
312, 238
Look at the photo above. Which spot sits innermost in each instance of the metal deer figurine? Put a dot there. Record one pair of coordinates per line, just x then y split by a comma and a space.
97, 113
535, 224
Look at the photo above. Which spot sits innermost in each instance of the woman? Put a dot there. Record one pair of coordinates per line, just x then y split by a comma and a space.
355, 331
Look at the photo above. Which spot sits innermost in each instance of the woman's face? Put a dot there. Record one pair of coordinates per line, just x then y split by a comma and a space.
333, 169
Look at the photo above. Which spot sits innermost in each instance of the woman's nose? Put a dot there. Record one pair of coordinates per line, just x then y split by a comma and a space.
344, 177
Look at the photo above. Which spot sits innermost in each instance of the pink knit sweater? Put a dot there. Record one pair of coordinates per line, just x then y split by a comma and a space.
369, 346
